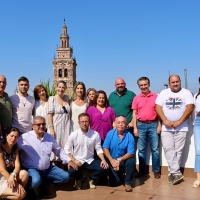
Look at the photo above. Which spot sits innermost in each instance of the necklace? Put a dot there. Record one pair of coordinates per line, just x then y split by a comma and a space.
24, 103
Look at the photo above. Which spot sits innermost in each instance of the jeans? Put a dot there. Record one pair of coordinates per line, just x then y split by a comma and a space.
148, 131
115, 177
197, 144
51, 175
94, 166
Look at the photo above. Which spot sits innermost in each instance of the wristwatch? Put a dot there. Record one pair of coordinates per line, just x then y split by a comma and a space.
119, 159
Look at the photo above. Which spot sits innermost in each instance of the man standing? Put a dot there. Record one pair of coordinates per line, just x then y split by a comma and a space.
121, 99
82, 143
119, 149
22, 107
36, 147
146, 125
174, 106
5, 108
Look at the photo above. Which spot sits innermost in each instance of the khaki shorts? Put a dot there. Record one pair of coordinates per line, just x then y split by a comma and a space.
3, 184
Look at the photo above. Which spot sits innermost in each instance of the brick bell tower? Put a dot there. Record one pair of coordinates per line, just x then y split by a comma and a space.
64, 65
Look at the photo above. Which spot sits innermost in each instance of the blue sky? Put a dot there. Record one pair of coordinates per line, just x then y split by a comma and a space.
110, 39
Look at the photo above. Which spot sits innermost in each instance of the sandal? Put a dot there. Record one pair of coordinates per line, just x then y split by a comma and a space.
196, 184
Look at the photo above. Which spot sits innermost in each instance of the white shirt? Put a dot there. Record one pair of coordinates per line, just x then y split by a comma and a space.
83, 145
40, 110
174, 105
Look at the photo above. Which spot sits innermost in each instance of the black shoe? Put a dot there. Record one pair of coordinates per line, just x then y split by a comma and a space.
156, 175
138, 175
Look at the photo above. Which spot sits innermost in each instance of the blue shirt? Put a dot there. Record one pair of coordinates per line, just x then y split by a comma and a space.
117, 147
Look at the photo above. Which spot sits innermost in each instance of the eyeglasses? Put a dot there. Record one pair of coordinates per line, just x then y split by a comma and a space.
84, 122
40, 124
65, 110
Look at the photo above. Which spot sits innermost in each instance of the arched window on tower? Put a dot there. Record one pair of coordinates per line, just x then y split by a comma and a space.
60, 72
66, 73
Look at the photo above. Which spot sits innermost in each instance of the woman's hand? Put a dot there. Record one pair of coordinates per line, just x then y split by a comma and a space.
53, 133
11, 181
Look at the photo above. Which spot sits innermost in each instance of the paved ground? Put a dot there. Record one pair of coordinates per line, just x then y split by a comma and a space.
145, 188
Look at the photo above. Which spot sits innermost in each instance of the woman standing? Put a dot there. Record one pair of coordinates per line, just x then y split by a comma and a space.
197, 137
41, 99
79, 104
12, 179
58, 110
91, 94
101, 115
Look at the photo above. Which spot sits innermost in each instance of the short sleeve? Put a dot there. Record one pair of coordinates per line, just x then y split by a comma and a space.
159, 100
106, 143
131, 144
134, 105
50, 105
189, 98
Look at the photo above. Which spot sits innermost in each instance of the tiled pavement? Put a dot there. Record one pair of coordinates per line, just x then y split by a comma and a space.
145, 188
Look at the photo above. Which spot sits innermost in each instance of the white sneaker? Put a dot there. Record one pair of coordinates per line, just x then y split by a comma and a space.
91, 184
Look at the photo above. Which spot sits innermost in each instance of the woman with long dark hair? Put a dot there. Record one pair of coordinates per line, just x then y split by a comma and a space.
12, 179
101, 115
79, 104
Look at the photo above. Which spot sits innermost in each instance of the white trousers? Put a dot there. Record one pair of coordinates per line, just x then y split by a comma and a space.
173, 143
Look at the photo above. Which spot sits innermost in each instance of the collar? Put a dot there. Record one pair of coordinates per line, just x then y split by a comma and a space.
148, 95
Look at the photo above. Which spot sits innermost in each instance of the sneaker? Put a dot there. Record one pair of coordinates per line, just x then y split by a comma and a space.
77, 185
170, 179
177, 179
91, 184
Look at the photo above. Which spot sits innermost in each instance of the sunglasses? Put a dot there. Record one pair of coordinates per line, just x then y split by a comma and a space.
41, 124
65, 110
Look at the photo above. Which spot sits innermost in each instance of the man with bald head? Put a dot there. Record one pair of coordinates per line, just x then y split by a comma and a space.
121, 100
118, 147
174, 106
5, 108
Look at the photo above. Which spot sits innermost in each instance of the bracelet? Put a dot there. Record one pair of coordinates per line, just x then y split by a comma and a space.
50, 126
15, 175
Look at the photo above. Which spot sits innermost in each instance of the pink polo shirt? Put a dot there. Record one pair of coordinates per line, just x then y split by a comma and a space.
145, 106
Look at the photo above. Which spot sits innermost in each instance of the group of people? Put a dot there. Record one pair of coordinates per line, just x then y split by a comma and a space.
92, 131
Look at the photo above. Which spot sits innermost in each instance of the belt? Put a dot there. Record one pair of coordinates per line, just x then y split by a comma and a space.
148, 121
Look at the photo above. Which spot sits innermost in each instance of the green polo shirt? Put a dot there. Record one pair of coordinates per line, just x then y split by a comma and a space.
122, 104
5, 111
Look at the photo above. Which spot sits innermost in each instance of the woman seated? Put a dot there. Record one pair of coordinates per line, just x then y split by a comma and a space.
12, 179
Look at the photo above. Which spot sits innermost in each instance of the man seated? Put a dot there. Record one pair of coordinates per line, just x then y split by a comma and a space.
80, 148
36, 147
118, 147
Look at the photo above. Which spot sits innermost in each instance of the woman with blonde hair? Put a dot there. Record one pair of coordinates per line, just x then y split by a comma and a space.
12, 179
91, 94
58, 110
79, 104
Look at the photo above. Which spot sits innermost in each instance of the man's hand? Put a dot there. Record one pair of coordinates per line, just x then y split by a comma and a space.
78, 163
130, 125
177, 123
168, 123
135, 131
73, 165
104, 164
115, 164
159, 129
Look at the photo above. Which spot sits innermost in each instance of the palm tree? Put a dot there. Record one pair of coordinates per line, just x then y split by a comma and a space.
51, 91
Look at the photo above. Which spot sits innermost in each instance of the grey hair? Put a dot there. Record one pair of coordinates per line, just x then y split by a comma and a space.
39, 117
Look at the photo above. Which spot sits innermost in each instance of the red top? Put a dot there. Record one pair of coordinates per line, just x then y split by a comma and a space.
145, 106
